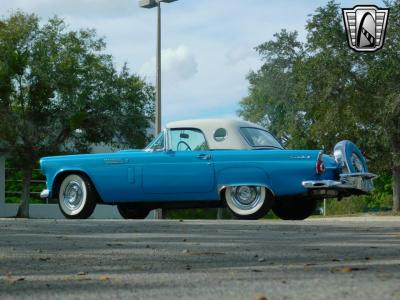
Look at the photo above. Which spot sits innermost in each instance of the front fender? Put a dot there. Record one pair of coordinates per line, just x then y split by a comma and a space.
53, 181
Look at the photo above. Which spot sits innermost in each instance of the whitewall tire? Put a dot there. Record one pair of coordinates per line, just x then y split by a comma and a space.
76, 197
248, 202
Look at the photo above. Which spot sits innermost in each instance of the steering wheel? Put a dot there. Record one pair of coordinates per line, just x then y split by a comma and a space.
184, 143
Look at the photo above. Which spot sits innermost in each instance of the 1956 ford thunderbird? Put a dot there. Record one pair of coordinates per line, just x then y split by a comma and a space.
207, 163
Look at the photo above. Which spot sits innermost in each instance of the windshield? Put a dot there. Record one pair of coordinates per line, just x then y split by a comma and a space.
157, 144
259, 138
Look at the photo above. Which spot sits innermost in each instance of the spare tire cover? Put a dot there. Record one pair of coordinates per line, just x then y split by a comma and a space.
352, 157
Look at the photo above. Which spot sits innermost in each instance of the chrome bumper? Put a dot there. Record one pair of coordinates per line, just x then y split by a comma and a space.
45, 193
348, 181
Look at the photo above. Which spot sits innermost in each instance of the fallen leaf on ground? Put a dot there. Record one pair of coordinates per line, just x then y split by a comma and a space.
206, 253
337, 259
104, 278
348, 269
44, 258
84, 279
12, 280
261, 259
81, 273
261, 297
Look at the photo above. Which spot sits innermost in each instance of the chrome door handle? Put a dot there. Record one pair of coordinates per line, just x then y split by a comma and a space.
204, 156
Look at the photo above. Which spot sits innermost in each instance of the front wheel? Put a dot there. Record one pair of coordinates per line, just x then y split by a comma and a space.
294, 209
129, 212
77, 197
248, 202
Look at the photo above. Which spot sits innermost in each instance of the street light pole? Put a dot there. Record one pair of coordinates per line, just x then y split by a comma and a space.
158, 71
152, 4
157, 123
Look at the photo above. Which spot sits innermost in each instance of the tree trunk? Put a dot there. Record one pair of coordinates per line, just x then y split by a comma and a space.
396, 188
23, 209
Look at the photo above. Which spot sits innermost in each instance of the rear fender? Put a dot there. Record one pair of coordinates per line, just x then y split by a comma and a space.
235, 176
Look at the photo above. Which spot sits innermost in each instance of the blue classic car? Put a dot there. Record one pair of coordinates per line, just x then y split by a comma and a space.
207, 163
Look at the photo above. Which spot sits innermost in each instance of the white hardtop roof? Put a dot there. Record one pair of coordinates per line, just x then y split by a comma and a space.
211, 123
233, 140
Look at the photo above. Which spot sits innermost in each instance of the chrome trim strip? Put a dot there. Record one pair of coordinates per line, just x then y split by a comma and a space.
115, 161
300, 157
166, 140
322, 184
45, 193
365, 175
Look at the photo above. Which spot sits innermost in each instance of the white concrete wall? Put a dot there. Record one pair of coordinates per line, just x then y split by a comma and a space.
50, 211
2, 184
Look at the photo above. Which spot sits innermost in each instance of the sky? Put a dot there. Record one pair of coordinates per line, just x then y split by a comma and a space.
207, 45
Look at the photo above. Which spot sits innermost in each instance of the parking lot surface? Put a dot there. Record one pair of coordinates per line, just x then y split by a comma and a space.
342, 258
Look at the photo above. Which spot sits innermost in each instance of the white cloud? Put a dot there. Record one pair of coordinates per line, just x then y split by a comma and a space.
239, 53
206, 76
177, 64
84, 8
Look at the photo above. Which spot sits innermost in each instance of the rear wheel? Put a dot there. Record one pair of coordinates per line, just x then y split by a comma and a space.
130, 212
294, 209
77, 197
248, 202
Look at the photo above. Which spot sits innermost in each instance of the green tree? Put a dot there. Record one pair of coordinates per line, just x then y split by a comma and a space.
60, 93
315, 93
272, 101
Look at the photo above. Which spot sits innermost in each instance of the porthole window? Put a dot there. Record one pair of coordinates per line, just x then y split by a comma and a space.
220, 134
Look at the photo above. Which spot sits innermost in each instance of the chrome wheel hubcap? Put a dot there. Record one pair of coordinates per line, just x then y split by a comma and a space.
73, 195
246, 198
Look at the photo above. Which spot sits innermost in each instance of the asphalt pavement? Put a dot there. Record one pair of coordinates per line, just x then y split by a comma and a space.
341, 258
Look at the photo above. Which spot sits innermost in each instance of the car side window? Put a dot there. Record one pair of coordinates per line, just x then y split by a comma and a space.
220, 134
187, 140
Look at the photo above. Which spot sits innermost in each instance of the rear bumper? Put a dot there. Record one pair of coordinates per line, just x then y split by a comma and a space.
349, 183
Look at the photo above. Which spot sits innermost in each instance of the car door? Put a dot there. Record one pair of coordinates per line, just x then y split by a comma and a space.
185, 167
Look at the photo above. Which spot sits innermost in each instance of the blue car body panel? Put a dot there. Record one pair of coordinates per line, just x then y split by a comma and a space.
141, 176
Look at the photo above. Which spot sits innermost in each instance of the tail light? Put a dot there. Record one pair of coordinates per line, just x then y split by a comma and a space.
319, 166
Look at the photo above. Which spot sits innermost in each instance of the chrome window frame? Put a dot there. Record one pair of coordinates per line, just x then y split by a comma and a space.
162, 149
